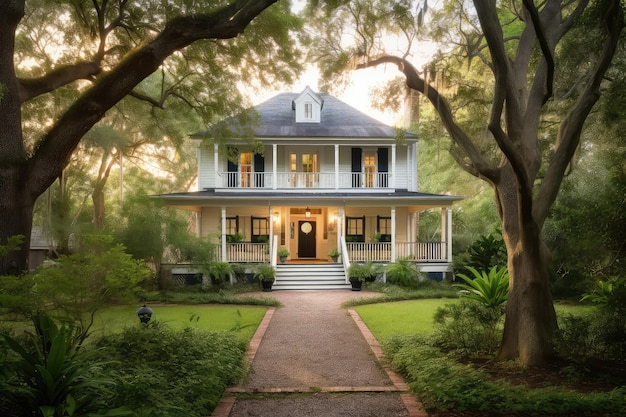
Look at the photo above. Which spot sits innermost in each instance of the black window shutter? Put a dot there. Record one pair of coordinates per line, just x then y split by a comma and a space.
356, 166
232, 171
383, 167
259, 166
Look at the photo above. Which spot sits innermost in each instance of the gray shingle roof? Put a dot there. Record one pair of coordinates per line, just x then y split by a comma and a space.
338, 119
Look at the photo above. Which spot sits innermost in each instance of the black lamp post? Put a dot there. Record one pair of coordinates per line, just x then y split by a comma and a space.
145, 314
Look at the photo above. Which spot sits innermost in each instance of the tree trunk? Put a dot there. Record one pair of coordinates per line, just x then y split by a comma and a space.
530, 317
16, 214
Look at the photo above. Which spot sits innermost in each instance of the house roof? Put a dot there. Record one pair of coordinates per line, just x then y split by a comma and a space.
218, 198
338, 120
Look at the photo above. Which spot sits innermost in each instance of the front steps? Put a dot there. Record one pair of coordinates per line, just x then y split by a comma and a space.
317, 276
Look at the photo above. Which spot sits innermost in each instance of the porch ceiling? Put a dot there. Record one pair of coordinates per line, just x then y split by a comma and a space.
212, 198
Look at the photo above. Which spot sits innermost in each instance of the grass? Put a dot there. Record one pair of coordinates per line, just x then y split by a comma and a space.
402, 317
416, 316
242, 320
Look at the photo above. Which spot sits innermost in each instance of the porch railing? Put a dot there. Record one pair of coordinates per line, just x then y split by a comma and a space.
381, 251
312, 180
247, 252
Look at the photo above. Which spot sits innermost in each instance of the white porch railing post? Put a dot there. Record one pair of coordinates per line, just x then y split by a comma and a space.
224, 257
216, 162
336, 167
393, 234
274, 166
449, 237
393, 166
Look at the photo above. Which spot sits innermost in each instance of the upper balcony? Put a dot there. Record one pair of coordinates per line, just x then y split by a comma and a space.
304, 180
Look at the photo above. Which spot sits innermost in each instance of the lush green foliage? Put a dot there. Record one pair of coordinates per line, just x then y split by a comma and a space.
265, 271
486, 252
367, 271
49, 376
13, 243
610, 295
218, 272
489, 288
469, 327
171, 373
404, 273
81, 283
444, 384
390, 293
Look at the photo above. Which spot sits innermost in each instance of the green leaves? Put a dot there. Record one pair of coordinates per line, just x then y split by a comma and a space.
491, 289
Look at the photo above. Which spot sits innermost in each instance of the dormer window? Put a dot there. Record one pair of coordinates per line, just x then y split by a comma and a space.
308, 110
308, 107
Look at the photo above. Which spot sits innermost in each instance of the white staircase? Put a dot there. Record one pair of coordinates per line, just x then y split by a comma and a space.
315, 276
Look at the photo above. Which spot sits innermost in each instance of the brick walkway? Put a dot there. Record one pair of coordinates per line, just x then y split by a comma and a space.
313, 346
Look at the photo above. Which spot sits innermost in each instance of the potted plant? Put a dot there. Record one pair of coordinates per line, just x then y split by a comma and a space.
283, 253
356, 276
334, 254
266, 274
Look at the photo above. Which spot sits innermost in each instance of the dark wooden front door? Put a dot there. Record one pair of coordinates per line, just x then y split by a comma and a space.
306, 239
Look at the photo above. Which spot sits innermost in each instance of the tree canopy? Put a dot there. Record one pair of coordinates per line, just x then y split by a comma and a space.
511, 97
64, 64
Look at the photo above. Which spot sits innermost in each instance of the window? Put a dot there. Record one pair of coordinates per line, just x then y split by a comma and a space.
245, 168
308, 110
232, 229
384, 228
304, 172
260, 229
355, 229
369, 170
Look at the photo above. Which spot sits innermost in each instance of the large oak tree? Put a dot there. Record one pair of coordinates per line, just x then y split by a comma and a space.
68, 62
517, 43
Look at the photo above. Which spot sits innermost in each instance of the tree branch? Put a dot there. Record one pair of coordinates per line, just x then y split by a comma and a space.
571, 127
30, 88
415, 82
58, 144
545, 48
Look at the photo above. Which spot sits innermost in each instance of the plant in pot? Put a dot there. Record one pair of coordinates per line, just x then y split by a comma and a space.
356, 275
266, 274
283, 253
334, 254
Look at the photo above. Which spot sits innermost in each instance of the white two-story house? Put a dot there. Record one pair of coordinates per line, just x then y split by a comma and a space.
326, 177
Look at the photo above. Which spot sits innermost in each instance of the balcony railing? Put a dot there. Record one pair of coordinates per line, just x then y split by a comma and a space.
381, 251
311, 180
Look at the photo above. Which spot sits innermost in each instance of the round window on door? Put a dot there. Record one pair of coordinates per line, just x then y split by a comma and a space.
306, 228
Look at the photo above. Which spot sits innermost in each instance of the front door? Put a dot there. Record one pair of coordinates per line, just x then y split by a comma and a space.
306, 239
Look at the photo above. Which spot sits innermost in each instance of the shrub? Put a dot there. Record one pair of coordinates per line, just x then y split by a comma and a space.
468, 327
49, 376
172, 373
491, 289
442, 383
403, 273
364, 272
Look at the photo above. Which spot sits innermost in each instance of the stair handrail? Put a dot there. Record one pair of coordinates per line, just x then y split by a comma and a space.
274, 251
345, 258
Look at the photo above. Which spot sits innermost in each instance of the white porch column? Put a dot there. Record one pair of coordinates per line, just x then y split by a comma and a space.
224, 258
271, 236
393, 166
216, 162
336, 167
199, 223
416, 179
449, 233
274, 167
341, 213
393, 234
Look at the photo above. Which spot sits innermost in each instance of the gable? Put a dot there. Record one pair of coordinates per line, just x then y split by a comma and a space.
308, 107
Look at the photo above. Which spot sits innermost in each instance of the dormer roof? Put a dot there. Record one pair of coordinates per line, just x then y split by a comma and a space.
307, 106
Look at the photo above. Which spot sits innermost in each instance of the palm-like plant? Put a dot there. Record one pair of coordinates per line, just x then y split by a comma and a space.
489, 288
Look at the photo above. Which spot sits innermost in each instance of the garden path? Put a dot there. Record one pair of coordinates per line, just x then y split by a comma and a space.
314, 358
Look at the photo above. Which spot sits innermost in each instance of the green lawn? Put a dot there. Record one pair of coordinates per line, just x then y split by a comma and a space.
243, 320
416, 316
